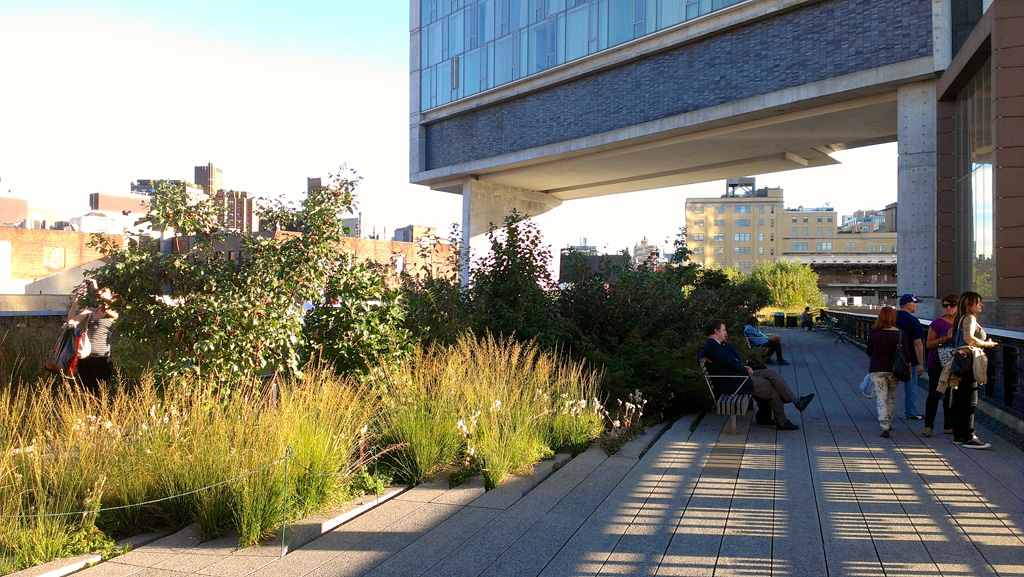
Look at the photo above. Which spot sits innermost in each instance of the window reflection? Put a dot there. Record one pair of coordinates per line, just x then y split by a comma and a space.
973, 125
468, 46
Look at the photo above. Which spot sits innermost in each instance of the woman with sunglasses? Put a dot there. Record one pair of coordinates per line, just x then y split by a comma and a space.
965, 396
939, 333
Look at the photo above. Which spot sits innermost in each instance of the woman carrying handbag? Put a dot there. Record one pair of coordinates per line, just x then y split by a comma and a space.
97, 322
884, 342
965, 395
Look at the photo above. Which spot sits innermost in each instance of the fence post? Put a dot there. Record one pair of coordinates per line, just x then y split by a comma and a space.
284, 504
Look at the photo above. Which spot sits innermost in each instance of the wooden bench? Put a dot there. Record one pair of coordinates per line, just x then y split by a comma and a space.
731, 405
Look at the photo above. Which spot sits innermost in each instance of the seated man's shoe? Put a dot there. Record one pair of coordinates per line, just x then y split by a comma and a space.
802, 402
783, 362
787, 426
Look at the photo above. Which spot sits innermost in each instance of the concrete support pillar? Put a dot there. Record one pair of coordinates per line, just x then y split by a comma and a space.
915, 221
485, 203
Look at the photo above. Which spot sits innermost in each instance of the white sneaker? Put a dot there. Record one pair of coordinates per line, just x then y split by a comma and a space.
976, 443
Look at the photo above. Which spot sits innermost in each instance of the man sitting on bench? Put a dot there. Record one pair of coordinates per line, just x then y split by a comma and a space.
763, 384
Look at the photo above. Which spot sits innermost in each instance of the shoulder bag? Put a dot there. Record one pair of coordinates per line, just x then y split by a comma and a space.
900, 366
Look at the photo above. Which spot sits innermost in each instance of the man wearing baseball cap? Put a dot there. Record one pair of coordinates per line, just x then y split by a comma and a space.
909, 324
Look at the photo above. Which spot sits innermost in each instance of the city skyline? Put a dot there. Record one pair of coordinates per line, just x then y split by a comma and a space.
99, 97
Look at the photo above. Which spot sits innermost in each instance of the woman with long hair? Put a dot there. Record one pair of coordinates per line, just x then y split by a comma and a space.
940, 332
965, 395
883, 340
95, 370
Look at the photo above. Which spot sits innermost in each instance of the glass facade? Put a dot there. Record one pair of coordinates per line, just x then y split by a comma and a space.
974, 191
468, 46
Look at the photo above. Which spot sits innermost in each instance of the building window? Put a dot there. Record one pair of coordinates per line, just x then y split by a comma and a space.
871, 248
698, 222
741, 250
771, 251
830, 219
851, 246
772, 237
773, 209
719, 237
805, 231
805, 219
698, 210
719, 210
741, 236
865, 229
794, 219
719, 222
760, 250
741, 222
760, 222
760, 209
773, 223
742, 209
760, 237
743, 264
819, 219
894, 249
719, 250
829, 231
698, 250
698, 237
974, 191
798, 246
824, 246
881, 248
819, 231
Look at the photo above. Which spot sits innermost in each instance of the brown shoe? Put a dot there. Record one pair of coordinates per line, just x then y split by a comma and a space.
927, 432
885, 432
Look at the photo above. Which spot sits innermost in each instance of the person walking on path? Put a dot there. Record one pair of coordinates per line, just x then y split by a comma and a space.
940, 332
908, 323
763, 384
756, 337
965, 395
96, 368
883, 339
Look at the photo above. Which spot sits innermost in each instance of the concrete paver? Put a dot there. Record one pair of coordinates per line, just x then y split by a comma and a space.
833, 498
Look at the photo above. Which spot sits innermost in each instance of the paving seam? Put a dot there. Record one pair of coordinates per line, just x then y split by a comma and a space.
628, 477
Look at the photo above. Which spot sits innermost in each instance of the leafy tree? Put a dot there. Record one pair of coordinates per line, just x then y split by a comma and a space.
790, 285
195, 311
512, 290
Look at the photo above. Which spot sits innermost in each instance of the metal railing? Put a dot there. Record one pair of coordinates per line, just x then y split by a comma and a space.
1005, 387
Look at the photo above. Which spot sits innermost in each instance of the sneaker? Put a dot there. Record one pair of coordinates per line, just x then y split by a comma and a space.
885, 432
914, 417
976, 443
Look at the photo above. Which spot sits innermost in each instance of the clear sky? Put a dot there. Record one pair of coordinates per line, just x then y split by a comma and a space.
95, 95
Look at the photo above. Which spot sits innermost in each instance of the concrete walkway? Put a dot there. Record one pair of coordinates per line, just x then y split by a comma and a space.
833, 498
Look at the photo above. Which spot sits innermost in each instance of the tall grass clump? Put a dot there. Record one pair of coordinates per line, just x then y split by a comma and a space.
508, 404
207, 456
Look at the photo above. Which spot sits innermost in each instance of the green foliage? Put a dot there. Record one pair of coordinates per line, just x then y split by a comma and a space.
790, 285
644, 327
357, 324
234, 319
513, 292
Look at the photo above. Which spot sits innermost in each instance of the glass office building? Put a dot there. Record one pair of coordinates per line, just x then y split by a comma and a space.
468, 46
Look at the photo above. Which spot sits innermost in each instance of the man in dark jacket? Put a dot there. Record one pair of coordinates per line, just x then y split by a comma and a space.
765, 384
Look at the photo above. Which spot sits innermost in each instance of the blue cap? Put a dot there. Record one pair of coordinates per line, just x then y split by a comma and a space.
909, 298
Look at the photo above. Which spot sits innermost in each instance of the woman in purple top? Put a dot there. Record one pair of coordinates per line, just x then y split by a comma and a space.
939, 333
882, 342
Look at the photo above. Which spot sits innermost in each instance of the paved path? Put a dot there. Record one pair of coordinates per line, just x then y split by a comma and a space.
830, 499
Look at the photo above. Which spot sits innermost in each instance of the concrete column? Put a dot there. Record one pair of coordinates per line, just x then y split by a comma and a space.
916, 198
485, 203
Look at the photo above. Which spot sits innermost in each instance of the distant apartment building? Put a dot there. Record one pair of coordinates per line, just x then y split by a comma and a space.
644, 252
209, 178
240, 211
414, 232
130, 203
747, 226
147, 187
737, 230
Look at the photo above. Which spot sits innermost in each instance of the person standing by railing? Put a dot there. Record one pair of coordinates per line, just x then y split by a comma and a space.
965, 395
940, 332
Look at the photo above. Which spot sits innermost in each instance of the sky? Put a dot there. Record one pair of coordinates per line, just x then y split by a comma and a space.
95, 95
